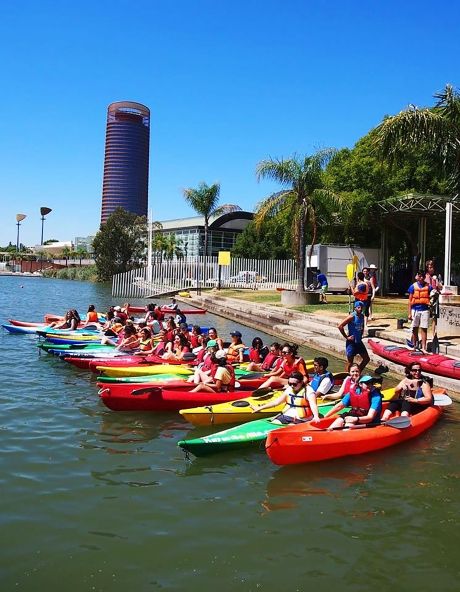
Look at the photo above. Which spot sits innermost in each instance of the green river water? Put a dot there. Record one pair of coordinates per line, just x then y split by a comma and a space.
97, 500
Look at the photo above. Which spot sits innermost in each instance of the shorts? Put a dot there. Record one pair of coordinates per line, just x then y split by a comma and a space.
404, 405
420, 318
355, 349
324, 289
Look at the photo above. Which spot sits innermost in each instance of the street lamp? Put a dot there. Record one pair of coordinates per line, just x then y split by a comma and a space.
19, 219
44, 212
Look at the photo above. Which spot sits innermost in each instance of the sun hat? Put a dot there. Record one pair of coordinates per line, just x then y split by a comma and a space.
117, 308
372, 266
211, 343
221, 354
235, 334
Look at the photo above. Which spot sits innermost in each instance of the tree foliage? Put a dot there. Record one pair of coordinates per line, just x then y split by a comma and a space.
120, 244
307, 196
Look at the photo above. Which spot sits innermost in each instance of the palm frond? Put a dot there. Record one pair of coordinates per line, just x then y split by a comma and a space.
272, 205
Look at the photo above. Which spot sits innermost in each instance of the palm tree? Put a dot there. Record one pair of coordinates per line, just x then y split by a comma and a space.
66, 253
306, 193
204, 201
437, 128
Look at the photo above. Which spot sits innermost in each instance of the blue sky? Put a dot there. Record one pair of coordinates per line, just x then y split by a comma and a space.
228, 83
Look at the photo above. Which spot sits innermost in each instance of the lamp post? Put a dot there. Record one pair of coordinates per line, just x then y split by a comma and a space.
19, 219
44, 212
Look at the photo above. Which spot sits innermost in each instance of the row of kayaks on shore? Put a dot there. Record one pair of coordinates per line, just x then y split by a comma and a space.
132, 383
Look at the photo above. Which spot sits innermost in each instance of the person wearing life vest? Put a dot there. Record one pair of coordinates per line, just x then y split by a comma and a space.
146, 344
365, 401
419, 310
322, 380
354, 339
290, 363
222, 376
273, 356
235, 351
412, 395
300, 402
347, 384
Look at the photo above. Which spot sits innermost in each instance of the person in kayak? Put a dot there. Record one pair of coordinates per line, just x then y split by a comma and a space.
322, 380
270, 362
419, 310
291, 363
212, 334
299, 399
203, 372
177, 348
365, 401
354, 339
71, 321
257, 352
349, 382
146, 343
92, 317
412, 395
235, 351
222, 374
130, 340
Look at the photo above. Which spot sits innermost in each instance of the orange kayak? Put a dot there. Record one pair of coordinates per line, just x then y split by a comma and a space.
304, 443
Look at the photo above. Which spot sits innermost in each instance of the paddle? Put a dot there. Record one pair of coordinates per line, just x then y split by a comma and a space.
395, 422
442, 400
350, 274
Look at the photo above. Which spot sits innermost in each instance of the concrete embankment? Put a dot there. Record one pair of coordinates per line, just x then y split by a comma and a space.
316, 331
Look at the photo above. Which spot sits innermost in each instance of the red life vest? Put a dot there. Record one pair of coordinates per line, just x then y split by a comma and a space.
420, 295
297, 366
254, 355
270, 359
360, 402
361, 291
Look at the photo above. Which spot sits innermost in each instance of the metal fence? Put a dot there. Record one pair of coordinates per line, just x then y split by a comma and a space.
165, 276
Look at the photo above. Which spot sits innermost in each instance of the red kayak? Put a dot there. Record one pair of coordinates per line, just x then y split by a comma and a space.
89, 362
142, 397
304, 443
433, 363
25, 323
165, 309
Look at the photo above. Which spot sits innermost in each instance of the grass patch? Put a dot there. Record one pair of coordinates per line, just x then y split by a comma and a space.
390, 308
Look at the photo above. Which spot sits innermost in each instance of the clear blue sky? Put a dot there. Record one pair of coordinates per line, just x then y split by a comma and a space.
228, 84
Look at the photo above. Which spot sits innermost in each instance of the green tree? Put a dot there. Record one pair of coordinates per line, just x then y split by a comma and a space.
271, 239
66, 253
204, 200
81, 253
120, 244
305, 195
437, 129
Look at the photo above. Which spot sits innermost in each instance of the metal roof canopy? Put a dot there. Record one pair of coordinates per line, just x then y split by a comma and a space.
420, 205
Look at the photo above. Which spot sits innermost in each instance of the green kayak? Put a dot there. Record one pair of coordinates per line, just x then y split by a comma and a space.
240, 436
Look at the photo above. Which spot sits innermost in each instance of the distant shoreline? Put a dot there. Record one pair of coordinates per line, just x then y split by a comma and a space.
20, 274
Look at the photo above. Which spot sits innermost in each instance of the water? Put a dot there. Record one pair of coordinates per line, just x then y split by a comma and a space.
95, 500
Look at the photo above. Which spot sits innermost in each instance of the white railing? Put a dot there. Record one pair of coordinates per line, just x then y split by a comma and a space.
165, 276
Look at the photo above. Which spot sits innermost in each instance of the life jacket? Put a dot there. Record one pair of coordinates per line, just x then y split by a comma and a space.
361, 291
421, 295
318, 379
233, 352
360, 402
254, 355
297, 403
297, 366
270, 359
145, 343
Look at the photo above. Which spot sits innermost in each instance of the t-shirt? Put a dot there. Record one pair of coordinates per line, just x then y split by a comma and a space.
322, 279
223, 375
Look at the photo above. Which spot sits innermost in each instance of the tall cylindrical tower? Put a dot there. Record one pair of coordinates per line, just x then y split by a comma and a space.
126, 162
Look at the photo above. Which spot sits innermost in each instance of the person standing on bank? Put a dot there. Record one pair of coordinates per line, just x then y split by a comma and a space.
354, 339
419, 310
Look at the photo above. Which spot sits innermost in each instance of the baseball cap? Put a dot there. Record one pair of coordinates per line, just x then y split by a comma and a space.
221, 354
365, 378
117, 308
211, 343
235, 334
372, 266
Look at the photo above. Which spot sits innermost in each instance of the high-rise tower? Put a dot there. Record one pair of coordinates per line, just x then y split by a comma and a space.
126, 162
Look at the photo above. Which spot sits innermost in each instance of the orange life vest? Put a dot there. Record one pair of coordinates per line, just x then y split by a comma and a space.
420, 295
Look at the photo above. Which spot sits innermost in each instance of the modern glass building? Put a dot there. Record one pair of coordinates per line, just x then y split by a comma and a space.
222, 232
126, 162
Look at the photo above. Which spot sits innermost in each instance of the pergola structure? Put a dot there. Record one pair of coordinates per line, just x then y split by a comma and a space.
421, 207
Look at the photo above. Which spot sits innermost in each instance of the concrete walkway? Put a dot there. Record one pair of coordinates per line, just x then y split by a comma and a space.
318, 331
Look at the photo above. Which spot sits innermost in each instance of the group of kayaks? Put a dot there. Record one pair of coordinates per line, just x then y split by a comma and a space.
146, 383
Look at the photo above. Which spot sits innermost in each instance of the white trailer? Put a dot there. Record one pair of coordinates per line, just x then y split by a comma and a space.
332, 260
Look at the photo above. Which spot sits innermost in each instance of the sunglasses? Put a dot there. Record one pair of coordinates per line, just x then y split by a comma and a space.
416, 370
294, 383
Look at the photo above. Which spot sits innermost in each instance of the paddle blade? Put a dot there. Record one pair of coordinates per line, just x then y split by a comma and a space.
442, 400
350, 272
398, 422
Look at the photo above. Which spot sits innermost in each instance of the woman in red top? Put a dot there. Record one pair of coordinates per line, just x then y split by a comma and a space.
270, 361
291, 363
176, 349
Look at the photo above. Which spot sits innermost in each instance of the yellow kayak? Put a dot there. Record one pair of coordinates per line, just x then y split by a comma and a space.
239, 411
143, 370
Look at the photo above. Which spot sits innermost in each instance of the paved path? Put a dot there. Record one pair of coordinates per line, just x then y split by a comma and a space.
318, 330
